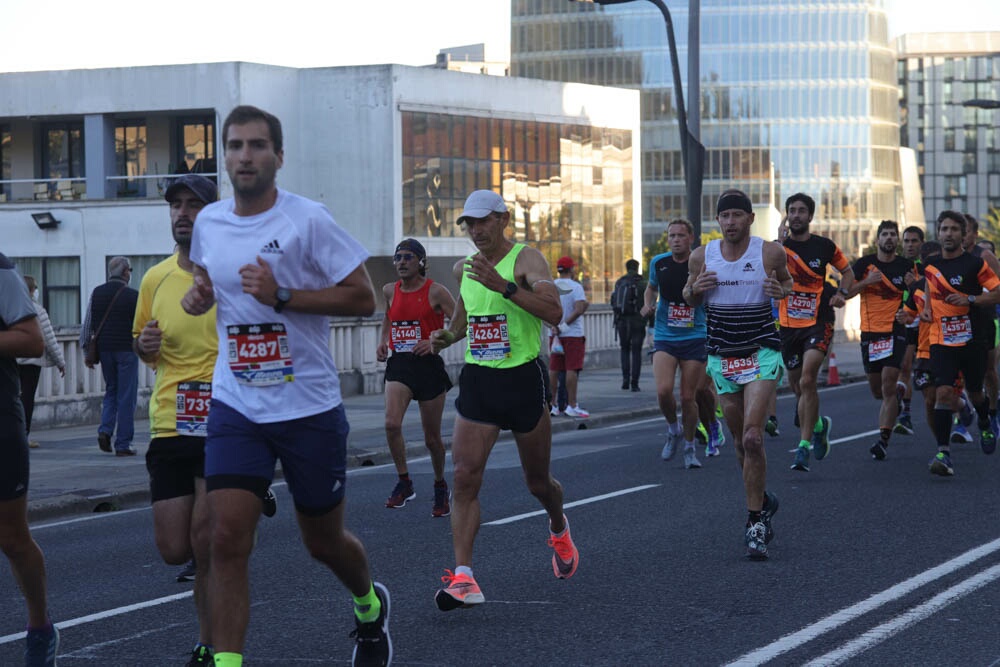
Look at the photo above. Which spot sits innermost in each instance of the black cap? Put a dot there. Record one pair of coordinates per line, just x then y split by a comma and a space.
202, 188
412, 245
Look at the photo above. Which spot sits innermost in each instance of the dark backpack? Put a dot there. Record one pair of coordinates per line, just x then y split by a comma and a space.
625, 300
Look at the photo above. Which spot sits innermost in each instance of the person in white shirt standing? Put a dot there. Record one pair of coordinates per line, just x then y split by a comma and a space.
277, 266
571, 340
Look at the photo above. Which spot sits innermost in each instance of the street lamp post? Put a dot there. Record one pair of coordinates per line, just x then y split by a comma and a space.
692, 151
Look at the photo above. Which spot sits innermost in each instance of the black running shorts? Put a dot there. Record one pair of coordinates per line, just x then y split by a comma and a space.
514, 399
795, 342
13, 458
424, 375
970, 360
173, 463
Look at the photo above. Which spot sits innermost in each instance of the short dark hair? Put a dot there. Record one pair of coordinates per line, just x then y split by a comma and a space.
246, 113
805, 199
681, 221
954, 216
972, 223
913, 229
632, 265
887, 224
928, 248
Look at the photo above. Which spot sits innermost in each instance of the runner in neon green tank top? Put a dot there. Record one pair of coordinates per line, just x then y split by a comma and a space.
501, 333
505, 293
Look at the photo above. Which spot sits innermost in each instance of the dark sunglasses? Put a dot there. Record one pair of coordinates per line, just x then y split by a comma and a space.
403, 257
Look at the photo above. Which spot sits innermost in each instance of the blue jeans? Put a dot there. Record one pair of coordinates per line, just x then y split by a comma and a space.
121, 380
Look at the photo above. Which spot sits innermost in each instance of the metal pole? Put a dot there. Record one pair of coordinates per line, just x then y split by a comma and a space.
696, 151
692, 152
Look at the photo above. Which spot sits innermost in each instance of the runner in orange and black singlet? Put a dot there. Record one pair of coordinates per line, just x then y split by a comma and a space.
913, 239
881, 280
984, 320
923, 379
956, 281
805, 336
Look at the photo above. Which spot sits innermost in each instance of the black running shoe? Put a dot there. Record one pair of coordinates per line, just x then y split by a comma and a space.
756, 540
767, 512
201, 657
269, 506
373, 645
188, 573
878, 450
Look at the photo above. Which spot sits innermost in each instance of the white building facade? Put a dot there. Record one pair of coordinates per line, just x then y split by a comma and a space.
95, 149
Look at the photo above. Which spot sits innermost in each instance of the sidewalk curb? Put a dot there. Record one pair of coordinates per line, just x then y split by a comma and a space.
97, 500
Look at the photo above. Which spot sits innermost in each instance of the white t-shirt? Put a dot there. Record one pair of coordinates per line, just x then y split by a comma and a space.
274, 366
570, 292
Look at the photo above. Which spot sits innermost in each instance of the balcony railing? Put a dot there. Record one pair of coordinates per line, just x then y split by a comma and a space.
75, 398
147, 186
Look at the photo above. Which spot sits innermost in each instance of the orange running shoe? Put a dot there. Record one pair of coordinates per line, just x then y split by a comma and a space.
462, 591
566, 557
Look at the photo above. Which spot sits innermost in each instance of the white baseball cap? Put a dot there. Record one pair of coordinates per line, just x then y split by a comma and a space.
480, 204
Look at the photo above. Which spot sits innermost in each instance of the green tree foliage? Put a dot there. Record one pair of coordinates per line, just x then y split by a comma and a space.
989, 227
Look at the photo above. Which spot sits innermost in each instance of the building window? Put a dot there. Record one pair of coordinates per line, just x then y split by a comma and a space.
140, 264
62, 155
195, 151
568, 187
130, 157
58, 281
949, 139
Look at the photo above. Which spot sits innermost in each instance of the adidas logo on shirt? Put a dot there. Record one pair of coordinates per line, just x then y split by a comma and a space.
748, 267
273, 248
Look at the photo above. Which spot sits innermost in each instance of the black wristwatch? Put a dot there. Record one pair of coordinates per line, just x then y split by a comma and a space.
509, 290
842, 291
282, 296
972, 299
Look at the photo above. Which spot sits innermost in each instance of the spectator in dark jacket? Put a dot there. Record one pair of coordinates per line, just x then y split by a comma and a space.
631, 331
119, 365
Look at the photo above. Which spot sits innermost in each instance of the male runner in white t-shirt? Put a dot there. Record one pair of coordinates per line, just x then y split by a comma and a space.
277, 266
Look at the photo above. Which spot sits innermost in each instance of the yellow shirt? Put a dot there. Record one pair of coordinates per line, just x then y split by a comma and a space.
187, 352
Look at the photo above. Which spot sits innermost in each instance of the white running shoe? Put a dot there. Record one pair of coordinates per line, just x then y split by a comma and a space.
555, 411
690, 460
576, 411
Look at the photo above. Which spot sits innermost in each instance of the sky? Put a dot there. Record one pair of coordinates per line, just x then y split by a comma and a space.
69, 34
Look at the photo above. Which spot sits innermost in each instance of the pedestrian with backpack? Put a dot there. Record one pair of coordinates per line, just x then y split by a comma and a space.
629, 323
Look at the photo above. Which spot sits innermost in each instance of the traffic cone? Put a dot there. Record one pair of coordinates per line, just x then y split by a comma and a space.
833, 375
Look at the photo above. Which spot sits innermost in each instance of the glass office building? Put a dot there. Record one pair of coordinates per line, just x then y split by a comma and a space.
806, 90
958, 154
568, 186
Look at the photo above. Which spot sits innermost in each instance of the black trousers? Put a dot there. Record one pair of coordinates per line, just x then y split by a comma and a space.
29, 384
631, 334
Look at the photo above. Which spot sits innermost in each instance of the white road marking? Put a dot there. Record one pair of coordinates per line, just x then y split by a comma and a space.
848, 614
846, 438
117, 611
575, 503
916, 614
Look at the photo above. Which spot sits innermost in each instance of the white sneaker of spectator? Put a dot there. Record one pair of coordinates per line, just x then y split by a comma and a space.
576, 411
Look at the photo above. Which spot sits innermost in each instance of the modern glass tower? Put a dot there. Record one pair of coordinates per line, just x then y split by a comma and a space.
799, 94
958, 152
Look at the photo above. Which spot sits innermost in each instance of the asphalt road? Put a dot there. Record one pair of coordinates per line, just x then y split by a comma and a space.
873, 563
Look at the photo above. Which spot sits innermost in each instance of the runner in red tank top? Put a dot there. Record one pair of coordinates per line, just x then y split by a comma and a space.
416, 306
